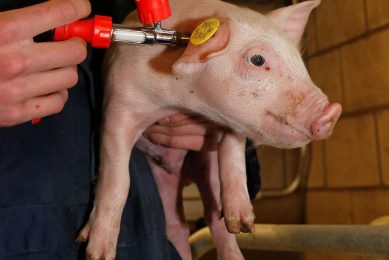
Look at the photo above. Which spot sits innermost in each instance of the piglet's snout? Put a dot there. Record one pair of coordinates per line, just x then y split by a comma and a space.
322, 127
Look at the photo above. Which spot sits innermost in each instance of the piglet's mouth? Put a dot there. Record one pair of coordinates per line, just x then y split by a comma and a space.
289, 128
320, 128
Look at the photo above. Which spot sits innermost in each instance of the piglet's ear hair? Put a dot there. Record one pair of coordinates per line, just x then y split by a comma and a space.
293, 19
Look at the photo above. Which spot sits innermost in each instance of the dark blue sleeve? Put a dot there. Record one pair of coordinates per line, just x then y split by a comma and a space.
253, 170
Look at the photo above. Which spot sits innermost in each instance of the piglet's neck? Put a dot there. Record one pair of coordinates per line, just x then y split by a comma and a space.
177, 93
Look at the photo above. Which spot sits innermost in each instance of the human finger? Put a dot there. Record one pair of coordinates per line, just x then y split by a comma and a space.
30, 21
42, 56
37, 84
173, 118
193, 143
34, 108
191, 129
181, 119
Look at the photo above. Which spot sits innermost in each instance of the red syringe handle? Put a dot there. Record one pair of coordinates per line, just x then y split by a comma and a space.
97, 31
152, 11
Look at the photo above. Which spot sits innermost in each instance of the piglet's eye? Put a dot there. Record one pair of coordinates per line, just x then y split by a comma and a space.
257, 60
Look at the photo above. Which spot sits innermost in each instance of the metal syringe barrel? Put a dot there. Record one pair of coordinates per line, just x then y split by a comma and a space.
145, 35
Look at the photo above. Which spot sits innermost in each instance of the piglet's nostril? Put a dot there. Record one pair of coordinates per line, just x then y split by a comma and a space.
322, 127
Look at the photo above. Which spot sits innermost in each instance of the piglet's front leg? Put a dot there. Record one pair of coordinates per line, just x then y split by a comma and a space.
237, 208
102, 229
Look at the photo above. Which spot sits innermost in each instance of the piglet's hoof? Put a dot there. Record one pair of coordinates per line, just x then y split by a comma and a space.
102, 235
236, 225
239, 217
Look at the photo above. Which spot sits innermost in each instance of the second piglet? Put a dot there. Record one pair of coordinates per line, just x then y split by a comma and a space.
249, 77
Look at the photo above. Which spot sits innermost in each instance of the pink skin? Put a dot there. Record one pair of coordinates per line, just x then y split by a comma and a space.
202, 169
274, 104
170, 185
205, 176
324, 124
35, 77
171, 173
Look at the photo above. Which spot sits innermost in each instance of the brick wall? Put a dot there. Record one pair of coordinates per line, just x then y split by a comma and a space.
347, 55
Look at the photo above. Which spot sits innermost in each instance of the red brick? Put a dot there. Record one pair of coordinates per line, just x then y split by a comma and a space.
328, 207
369, 205
377, 12
338, 21
351, 153
365, 70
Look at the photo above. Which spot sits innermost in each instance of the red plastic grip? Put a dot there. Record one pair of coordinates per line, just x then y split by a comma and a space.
151, 11
97, 31
36, 121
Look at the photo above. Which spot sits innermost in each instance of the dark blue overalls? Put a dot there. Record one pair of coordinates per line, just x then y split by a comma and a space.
46, 176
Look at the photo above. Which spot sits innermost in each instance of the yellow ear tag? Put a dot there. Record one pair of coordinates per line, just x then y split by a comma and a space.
204, 31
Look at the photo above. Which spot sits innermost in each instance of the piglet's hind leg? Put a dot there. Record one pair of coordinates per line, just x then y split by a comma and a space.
208, 183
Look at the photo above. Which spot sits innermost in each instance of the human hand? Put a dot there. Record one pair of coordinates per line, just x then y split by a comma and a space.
169, 140
34, 77
183, 131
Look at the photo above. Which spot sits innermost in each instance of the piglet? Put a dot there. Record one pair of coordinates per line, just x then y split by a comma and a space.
249, 78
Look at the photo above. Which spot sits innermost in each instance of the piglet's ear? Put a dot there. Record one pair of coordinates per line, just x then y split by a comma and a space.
292, 19
195, 56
